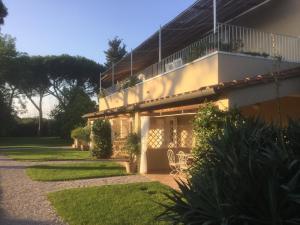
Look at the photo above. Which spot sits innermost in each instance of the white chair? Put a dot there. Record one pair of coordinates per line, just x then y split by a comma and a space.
172, 162
182, 162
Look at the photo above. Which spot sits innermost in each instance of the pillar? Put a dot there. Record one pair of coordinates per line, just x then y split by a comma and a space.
91, 144
145, 123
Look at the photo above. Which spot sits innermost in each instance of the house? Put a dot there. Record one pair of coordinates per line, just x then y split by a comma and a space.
226, 51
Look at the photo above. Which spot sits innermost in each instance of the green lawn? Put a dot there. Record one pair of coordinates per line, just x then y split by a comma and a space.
45, 154
40, 149
13, 142
126, 204
74, 171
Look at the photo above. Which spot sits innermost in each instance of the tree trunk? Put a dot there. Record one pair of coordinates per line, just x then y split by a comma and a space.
40, 115
11, 97
39, 108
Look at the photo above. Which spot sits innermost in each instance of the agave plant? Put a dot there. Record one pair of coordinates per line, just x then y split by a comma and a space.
252, 179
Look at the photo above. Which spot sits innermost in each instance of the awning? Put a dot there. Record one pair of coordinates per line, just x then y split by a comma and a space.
184, 29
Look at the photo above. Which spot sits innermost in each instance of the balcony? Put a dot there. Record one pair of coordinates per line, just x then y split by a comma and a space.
230, 53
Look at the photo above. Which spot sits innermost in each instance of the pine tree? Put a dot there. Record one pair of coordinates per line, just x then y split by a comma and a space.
115, 52
3, 12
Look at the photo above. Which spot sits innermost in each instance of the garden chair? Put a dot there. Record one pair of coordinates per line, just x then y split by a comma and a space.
172, 162
182, 162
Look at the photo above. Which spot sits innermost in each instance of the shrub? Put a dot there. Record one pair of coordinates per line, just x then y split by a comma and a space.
130, 82
208, 123
253, 178
133, 146
82, 134
102, 139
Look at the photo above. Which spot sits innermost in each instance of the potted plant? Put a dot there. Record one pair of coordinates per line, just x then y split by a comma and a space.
132, 147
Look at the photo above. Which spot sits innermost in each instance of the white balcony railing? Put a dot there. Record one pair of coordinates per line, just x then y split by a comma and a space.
227, 38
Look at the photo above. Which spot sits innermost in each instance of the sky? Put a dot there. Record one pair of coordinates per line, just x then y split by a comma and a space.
83, 27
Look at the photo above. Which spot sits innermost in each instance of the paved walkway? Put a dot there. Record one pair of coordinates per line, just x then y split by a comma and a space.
166, 179
24, 202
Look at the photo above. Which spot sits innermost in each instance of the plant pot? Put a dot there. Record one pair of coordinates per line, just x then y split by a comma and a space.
76, 143
84, 147
131, 167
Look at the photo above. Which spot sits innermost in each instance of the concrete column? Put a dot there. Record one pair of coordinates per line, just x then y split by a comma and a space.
112, 131
136, 123
145, 124
91, 144
121, 128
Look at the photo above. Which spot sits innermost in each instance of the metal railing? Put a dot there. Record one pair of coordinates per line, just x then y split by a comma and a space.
227, 38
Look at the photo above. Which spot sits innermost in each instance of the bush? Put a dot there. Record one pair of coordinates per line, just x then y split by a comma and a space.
253, 178
82, 134
133, 146
208, 123
102, 139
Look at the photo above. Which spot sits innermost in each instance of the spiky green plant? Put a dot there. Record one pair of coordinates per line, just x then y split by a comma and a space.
254, 179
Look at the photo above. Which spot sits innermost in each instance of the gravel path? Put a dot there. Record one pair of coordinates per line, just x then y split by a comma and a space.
24, 202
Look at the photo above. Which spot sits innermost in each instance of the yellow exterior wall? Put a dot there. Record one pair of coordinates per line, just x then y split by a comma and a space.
210, 70
238, 66
265, 92
278, 16
268, 111
200, 73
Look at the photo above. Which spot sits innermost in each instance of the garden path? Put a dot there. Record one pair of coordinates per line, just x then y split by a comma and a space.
24, 202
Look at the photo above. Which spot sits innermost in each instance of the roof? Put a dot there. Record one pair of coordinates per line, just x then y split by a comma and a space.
204, 91
184, 29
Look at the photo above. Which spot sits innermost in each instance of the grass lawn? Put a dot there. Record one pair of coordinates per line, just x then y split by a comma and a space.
45, 154
126, 204
39, 149
73, 171
15, 142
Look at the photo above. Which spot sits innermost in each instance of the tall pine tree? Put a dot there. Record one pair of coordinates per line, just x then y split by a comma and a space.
3, 12
116, 50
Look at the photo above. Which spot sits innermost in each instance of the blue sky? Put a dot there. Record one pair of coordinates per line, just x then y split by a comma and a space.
83, 27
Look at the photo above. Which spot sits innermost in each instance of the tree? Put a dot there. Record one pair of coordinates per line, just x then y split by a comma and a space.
34, 82
69, 114
6, 116
3, 12
115, 52
67, 72
7, 55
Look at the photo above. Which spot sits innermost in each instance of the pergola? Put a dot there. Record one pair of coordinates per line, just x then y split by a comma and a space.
184, 29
